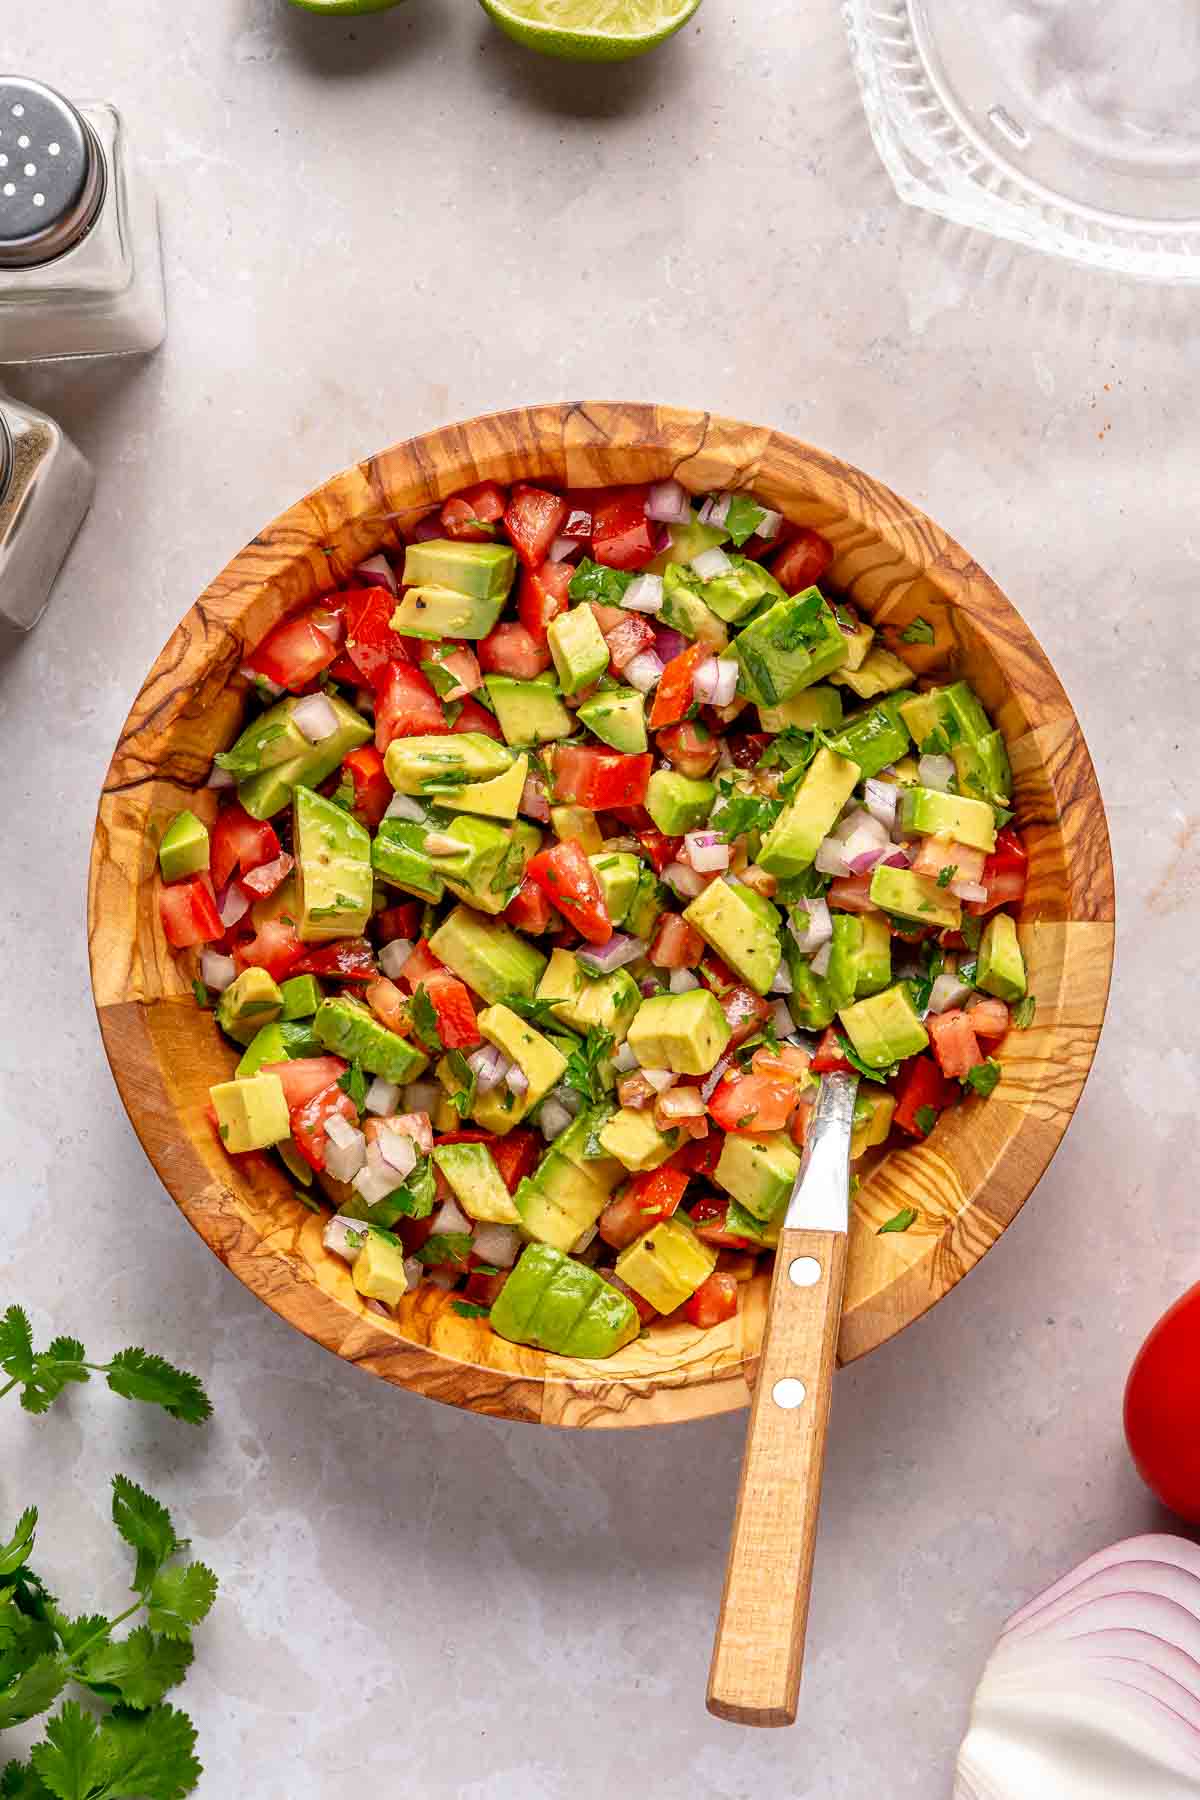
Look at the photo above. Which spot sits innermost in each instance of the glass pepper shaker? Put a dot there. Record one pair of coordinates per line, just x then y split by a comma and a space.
45, 492
80, 260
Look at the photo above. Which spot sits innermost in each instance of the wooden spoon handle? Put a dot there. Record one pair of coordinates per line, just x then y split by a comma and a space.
759, 1648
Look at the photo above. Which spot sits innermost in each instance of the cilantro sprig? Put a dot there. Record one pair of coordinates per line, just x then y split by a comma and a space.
592, 581
587, 1065
425, 1020
42, 1375
353, 1081
743, 518
464, 1096
534, 1012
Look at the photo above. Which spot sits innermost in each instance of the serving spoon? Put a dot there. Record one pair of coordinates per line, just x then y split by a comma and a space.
759, 1647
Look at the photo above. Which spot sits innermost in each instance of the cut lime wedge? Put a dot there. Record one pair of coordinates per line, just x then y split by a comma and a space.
590, 30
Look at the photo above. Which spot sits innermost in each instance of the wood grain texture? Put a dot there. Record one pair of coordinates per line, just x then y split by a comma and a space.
967, 1181
759, 1649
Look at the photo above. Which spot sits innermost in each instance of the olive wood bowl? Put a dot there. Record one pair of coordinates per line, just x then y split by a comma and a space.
966, 1182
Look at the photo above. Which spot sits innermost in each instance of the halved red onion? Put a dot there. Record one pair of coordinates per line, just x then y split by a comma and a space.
968, 890
881, 797
947, 992
563, 548
682, 981
378, 571
669, 503
644, 672
829, 859
553, 1119
394, 955
233, 903
220, 778
534, 803
936, 772
605, 958
644, 594
488, 1065
708, 1086
382, 1098
710, 564
705, 851
428, 527
685, 881
499, 1245
315, 718
820, 962
216, 971
811, 924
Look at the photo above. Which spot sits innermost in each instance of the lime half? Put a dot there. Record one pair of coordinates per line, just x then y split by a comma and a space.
590, 30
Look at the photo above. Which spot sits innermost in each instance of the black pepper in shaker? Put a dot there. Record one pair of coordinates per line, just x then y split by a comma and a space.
45, 491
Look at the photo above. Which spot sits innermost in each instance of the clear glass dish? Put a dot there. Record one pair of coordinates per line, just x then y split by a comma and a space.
1069, 125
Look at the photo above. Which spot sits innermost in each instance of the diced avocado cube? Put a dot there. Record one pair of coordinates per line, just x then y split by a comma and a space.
758, 1172
578, 648
945, 717
743, 591
422, 765
812, 1002
684, 1032
678, 803
812, 709
885, 1028
649, 900
916, 897
491, 958
434, 613
276, 1043
736, 930
617, 717
346, 1028
792, 843
741, 1222
560, 1201
333, 869
858, 642
667, 1265
485, 571
480, 869
251, 1115
556, 1304
875, 737
983, 770
793, 644
1000, 966
251, 1001
301, 996
609, 1001
499, 798
684, 608
538, 1059
288, 760
580, 1144
618, 874
477, 1183
577, 824
529, 712
860, 960
934, 814
378, 1272
872, 1122
880, 673
183, 850
635, 1140
398, 856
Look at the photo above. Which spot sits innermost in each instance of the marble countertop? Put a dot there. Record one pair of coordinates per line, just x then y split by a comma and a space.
373, 226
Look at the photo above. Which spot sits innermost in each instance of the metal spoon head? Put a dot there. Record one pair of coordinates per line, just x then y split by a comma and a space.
821, 1197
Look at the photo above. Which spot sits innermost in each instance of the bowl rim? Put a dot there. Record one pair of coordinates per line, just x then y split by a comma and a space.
889, 550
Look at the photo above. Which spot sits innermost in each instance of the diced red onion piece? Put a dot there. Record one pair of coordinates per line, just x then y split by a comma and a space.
440, 843
862, 865
344, 1161
449, 1217
705, 852
442, 1278
668, 643
936, 772
644, 672
704, 682
499, 1245
881, 799
625, 1059
376, 1179
329, 625
398, 1151
584, 1241
811, 924
488, 1065
829, 859
563, 548
619, 950
233, 903
553, 1119
710, 564
429, 527
768, 526
682, 981
341, 1132
782, 981
782, 1019
338, 1231
727, 680
685, 881
669, 503
393, 956
379, 571
820, 962
660, 1079
414, 1272
416, 1125
968, 890
644, 594
570, 1098
220, 778
708, 1086
383, 1097
534, 803
516, 1079
315, 718
422, 1096
216, 971
896, 858
947, 991
715, 510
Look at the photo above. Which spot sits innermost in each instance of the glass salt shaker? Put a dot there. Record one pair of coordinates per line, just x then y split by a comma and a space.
45, 491
80, 260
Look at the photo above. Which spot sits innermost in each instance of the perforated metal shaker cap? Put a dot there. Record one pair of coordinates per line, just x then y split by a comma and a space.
51, 173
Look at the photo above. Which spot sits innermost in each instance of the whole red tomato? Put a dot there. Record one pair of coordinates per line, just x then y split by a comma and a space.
1162, 1408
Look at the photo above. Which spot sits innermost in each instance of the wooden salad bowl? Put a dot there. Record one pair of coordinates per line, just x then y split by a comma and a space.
966, 1182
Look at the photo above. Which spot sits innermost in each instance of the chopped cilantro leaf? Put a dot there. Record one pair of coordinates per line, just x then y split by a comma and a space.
972, 931
201, 993
946, 875
467, 1309
536, 1012
919, 632
1004, 816
1023, 1011
856, 1062
791, 749
984, 1076
745, 812
810, 884
801, 624
446, 1247
899, 1221
425, 1020
925, 1118
354, 1083
743, 518
586, 1066
591, 581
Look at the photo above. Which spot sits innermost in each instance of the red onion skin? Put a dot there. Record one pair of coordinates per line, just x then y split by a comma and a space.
861, 865
669, 643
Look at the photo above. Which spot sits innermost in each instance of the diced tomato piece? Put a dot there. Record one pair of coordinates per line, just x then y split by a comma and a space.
405, 706
989, 1018
851, 893
708, 1218
642, 1203
529, 909
467, 515
460, 661
954, 1042
533, 519
305, 1076
373, 792
919, 1084
484, 1290
803, 562
238, 841
389, 1005
473, 717
599, 779
1004, 889
645, 1312
752, 1103
674, 695
465, 1137
676, 944
744, 1012
276, 947
515, 1156
296, 651
1009, 854
344, 670
936, 854
828, 1059
1004, 874
748, 747
690, 747
514, 649
402, 921
622, 536
309, 1122
350, 959
789, 1063
543, 594
569, 881
189, 913
420, 966
455, 1014
609, 617
371, 644
661, 851
700, 1157
627, 640
714, 1301
263, 881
